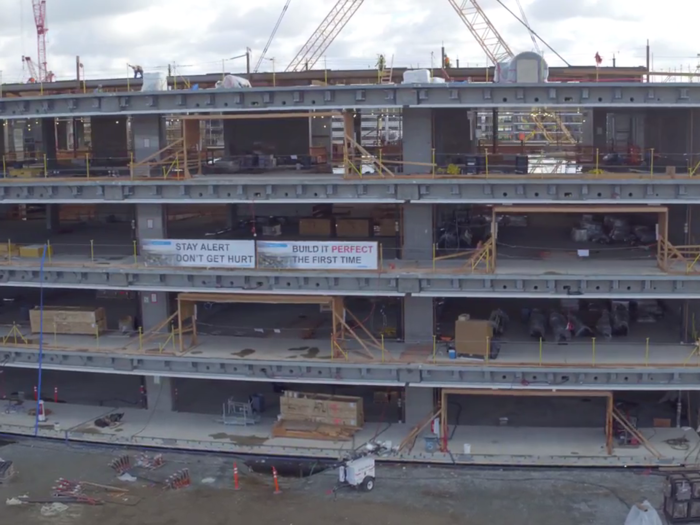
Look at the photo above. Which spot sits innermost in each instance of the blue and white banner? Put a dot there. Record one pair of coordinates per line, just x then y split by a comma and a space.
199, 254
318, 255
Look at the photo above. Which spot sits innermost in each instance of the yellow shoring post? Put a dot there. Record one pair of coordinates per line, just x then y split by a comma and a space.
136, 255
597, 155
131, 164
488, 350
651, 162
46, 167
48, 250
646, 353
92, 250
381, 257
593, 349
9, 250
382, 348
434, 348
540, 351
486, 162
87, 165
433, 163
140, 339
14, 331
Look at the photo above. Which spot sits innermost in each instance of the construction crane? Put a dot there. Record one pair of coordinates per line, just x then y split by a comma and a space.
483, 31
39, 8
272, 36
523, 18
325, 34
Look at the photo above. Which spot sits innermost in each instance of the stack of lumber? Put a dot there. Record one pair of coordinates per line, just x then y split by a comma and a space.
319, 416
72, 320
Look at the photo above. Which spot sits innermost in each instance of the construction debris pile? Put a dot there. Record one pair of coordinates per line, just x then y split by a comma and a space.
612, 230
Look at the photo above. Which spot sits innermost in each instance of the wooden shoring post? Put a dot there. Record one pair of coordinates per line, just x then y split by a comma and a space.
410, 440
179, 324
609, 406
620, 418
443, 420
355, 336
185, 166
364, 329
664, 216
156, 330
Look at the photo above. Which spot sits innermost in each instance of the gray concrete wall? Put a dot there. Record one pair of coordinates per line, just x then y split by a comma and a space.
417, 232
418, 320
452, 134
148, 137
151, 223
600, 129
108, 138
283, 136
159, 394
417, 139
419, 405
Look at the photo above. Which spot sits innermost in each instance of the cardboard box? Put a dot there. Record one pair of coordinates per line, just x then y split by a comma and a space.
472, 337
74, 320
353, 228
316, 227
322, 408
35, 251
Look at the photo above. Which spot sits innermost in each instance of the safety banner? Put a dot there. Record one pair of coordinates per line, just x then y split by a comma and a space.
200, 254
318, 255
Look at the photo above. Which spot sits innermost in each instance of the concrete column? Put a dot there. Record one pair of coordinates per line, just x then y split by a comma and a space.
417, 139
418, 320
53, 218
151, 223
231, 215
417, 230
159, 394
148, 133
419, 404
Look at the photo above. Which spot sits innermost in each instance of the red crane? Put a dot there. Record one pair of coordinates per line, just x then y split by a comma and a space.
39, 7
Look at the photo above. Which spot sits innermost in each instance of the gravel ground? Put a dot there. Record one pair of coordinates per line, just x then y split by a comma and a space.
402, 496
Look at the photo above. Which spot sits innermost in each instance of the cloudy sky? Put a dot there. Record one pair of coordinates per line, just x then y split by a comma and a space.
198, 35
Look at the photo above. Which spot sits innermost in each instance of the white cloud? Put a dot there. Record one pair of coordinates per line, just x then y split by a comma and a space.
197, 36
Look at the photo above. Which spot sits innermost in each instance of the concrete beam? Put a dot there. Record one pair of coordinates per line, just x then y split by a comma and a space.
476, 95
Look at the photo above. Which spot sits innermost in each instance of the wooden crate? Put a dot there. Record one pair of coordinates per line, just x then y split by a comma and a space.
345, 411
74, 320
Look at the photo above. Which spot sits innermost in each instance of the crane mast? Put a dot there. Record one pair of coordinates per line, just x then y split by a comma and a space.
39, 9
325, 34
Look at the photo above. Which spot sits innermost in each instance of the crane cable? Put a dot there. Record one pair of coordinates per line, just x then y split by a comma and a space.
533, 32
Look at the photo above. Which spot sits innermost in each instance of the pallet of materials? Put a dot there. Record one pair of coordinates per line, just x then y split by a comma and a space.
345, 411
310, 430
69, 320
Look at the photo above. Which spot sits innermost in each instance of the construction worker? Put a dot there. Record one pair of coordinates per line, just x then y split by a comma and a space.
447, 62
381, 63
138, 71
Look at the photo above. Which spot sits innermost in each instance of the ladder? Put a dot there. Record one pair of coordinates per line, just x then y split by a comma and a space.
387, 74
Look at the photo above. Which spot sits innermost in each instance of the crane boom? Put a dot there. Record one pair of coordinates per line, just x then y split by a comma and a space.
272, 36
523, 17
483, 31
325, 34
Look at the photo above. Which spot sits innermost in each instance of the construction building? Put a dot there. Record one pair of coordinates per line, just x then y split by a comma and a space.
217, 266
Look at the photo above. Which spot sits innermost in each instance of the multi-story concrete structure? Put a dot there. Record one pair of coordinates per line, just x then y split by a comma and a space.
360, 261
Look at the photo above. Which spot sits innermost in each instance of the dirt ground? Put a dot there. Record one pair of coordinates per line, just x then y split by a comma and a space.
402, 496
